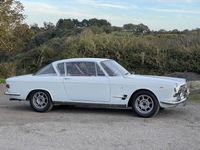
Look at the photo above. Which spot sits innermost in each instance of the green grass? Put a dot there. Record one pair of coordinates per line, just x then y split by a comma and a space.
195, 97
2, 81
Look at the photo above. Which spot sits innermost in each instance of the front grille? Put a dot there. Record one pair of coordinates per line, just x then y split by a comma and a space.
183, 88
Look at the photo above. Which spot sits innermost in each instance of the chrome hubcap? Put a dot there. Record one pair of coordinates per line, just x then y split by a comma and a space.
40, 100
144, 104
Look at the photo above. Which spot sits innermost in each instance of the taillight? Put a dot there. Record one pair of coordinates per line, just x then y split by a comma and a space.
8, 86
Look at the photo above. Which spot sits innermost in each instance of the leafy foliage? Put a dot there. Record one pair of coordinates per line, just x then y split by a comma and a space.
2, 81
13, 33
149, 53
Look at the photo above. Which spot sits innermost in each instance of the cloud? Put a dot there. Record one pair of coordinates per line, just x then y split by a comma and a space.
40, 12
174, 1
185, 11
98, 3
113, 6
43, 8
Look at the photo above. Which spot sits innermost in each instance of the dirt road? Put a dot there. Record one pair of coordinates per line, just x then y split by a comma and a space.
72, 128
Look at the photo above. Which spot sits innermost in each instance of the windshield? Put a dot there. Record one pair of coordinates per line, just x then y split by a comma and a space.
113, 68
47, 70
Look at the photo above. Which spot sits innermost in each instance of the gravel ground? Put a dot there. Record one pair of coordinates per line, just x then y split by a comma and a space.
72, 128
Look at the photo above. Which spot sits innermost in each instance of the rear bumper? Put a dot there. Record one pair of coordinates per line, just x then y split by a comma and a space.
12, 94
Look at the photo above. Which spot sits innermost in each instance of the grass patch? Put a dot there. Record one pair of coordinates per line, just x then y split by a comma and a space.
2, 81
195, 97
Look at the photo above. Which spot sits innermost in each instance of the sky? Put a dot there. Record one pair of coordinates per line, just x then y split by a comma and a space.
157, 14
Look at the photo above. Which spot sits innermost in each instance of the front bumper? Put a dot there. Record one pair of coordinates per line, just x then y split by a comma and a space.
183, 101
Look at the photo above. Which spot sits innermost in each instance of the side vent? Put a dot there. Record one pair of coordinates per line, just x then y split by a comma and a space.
124, 97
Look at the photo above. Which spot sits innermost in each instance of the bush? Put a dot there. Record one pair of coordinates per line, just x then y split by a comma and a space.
2, 81
7, 70
152, 53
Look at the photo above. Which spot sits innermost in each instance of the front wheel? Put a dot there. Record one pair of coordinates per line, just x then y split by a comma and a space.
145, 104
40, 101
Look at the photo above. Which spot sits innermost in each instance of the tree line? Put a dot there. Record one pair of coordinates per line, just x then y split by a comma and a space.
25, 49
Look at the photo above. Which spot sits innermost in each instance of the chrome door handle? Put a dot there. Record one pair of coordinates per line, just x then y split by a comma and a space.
67, 78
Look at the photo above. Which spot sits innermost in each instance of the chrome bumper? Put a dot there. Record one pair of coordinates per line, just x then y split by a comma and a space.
175, 103
12, 94
181, 95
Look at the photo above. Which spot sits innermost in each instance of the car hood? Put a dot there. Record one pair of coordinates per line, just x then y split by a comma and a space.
158, 78
18, 78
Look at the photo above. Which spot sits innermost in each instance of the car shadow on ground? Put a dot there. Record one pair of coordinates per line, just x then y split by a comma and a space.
166, 113
91, 109
72, 109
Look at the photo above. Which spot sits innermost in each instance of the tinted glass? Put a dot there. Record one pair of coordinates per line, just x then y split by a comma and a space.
61, 69
99, 71
81, 69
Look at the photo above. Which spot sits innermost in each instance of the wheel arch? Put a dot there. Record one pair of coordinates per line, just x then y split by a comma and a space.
139, 90
35, 90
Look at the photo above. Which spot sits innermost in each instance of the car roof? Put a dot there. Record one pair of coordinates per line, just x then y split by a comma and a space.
81, 59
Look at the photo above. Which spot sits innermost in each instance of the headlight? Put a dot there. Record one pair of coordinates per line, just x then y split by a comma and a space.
182, 92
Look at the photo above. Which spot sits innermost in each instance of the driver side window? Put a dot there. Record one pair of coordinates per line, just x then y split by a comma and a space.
83, 69
73, 70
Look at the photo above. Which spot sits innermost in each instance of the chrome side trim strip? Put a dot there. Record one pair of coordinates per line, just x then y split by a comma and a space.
12, 94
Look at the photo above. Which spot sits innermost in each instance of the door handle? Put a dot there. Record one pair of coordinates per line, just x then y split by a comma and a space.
67, 78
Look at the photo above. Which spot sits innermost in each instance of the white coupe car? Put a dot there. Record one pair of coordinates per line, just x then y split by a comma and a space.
96, 81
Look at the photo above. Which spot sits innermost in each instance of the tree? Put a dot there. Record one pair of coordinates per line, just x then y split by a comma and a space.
11, 18
35, 28
65, 24
175, 31
85, 23
48, 26
129, 27
162, 31
97, 22
140, 28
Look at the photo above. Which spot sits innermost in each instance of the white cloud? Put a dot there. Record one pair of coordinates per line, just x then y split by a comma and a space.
44, 8
185, 11
113, 6
174, 1
98, 3
40, 12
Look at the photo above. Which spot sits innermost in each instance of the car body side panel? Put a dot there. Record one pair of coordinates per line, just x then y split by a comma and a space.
119, 87
96, 89
122, 86
54, 85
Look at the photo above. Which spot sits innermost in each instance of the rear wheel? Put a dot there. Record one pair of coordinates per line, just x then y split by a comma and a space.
145, 104
40, 101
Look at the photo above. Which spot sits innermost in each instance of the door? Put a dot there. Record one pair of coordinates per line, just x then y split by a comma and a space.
85, 81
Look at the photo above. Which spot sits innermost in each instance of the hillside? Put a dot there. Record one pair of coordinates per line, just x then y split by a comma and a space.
135, 46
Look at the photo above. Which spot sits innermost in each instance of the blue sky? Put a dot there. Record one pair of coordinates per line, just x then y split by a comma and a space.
157, 14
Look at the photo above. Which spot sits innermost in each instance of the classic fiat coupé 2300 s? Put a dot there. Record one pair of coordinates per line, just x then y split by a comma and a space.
96, 81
